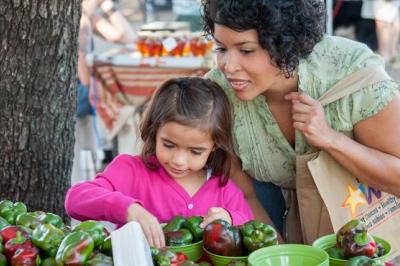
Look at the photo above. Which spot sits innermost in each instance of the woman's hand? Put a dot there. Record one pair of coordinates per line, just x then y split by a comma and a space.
149, 223
215, 213
309, 118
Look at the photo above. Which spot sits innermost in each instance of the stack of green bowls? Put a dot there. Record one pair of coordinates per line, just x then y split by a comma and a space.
289, 255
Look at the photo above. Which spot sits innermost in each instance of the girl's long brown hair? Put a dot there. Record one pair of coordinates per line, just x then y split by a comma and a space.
193, 102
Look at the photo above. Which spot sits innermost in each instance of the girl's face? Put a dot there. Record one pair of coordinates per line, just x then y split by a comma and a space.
183, 151
246, 65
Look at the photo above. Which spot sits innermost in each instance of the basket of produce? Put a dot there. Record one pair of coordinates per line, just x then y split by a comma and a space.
230, 245
41, 238
352, 244
185, 236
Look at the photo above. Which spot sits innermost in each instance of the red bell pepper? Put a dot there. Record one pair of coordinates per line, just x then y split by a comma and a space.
12, 245
222, 239
26, 257
358, 244
10, 232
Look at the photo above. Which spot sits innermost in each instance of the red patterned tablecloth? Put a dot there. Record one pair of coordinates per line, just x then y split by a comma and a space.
120, 89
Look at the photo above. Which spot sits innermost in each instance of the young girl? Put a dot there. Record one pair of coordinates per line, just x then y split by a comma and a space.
183, 168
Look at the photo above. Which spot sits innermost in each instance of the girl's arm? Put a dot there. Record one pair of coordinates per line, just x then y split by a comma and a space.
97, 200
108, 196
374, 155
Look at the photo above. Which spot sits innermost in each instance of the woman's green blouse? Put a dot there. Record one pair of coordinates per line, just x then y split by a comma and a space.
265, 153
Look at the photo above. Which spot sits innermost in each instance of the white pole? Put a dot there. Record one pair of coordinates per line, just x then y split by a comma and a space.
329, 21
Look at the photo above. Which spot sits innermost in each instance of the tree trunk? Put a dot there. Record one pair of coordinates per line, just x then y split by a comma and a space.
38, 56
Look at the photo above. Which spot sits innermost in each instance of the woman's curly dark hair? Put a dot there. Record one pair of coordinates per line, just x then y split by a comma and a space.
287, 29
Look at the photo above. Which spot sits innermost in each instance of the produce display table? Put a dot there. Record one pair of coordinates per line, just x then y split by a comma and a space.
126, 80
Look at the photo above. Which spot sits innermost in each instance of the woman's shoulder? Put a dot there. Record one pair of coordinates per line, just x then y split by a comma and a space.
332, 59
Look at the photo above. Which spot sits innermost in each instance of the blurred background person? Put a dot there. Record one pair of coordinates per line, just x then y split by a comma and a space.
100, 17
348, 22
386, 14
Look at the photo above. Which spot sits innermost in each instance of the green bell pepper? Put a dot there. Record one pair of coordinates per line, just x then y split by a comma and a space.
175, 224
3, 260
257, 235
336, 252
50, 261
47, 238
193, 224
100, 260
106, 247
178, 238
3, 223
51, 218
75, 249
95, 229
363, 261
10, 210
28, 220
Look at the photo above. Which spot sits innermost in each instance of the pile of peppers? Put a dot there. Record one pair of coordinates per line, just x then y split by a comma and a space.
222, 238
353, 242
42, 239
181, 231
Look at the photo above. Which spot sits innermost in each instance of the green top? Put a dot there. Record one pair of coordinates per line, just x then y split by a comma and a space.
265, 153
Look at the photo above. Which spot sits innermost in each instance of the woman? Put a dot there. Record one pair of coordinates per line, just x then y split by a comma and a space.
274, 61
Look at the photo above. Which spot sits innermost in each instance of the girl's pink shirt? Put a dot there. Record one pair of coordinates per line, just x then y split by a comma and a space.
127, 180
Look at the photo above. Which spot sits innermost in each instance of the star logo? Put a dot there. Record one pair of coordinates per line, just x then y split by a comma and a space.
354, 199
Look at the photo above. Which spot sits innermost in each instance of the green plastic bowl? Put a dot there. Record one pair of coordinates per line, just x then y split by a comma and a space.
192, 251
219, 260
329, 241
289, 255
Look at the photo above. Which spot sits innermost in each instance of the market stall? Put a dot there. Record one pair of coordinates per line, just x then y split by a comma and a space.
126, 78
29, 237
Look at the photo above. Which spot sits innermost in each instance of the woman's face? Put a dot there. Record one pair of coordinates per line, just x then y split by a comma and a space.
246, 65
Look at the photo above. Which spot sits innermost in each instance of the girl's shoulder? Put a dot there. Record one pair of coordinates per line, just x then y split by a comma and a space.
127, 160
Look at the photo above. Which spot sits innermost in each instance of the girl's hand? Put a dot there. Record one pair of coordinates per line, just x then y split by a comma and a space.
215, 213
309, 118
149, 223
